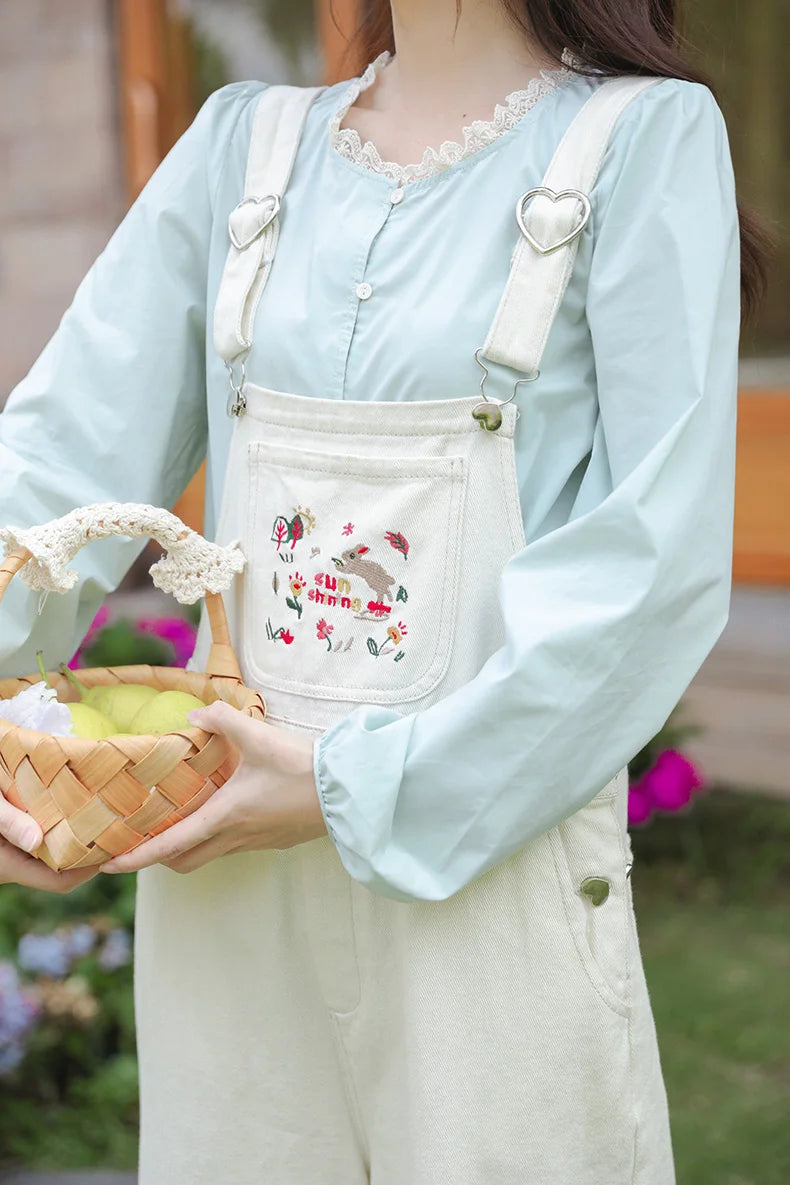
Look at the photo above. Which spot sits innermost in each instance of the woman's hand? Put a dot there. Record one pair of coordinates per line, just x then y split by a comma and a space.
21, 834
269, 802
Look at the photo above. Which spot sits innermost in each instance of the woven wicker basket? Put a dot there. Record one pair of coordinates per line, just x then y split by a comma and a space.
99, 798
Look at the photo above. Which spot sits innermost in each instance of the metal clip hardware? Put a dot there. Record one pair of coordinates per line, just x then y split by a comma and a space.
237, 400
488, 413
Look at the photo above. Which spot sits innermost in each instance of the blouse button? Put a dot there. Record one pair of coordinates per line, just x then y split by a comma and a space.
364, 291
396, 196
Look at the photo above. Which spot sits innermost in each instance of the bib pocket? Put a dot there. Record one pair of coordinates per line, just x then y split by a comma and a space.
351, 586
590, 858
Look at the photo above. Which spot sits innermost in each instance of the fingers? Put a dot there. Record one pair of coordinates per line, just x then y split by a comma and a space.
18, 869
18, 827
201, 825
242, 730
201, 854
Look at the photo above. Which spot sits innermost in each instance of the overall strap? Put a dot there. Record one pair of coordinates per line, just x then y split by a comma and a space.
551, 218
254, 225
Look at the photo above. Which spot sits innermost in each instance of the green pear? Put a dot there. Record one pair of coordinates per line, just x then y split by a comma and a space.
87, 694
89, 723
121, 702
86, 721
166, 713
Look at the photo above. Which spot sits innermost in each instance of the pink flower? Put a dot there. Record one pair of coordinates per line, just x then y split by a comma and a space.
640, 807
671, 781
323, 629
98, 623
348, 529
179, 632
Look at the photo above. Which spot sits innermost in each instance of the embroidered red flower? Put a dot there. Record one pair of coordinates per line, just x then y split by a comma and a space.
348, 529
323, 629
287, 637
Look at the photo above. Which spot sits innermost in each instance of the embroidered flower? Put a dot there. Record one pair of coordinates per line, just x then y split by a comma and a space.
306, 517
348, 529
281, 632
397, 632
297, 584
323, 630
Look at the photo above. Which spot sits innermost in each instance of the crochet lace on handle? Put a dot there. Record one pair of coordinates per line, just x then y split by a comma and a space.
191, 567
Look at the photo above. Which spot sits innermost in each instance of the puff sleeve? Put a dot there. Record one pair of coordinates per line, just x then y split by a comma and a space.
114, 409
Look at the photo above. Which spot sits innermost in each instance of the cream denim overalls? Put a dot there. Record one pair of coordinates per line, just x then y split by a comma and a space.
295, 1028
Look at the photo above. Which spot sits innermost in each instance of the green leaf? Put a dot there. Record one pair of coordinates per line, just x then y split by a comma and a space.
120, 644
373, 648
193, 612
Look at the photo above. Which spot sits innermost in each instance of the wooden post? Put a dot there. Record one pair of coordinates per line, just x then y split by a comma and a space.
158, 99
762, 534
141, 29
158, 104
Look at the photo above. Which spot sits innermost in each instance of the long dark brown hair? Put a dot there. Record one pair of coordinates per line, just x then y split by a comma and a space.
606, 36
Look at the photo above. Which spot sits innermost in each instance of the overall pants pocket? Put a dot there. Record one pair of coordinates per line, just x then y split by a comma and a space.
353, 565
590, 859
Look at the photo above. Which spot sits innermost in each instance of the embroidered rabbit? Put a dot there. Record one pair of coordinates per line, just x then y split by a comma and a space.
371, 572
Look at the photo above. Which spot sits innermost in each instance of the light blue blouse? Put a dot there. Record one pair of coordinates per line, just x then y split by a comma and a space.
625, 446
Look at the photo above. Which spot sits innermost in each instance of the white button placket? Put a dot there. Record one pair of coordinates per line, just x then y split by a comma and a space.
364, 290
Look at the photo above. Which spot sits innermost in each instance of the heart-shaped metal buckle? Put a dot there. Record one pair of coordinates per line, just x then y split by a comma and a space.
575, 194
243, 244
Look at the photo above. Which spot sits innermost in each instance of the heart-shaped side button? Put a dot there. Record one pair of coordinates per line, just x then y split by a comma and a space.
246, 223
575, 195
596, 888
488, 416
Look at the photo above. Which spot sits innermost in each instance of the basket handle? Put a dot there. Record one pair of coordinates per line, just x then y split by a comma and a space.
190, 568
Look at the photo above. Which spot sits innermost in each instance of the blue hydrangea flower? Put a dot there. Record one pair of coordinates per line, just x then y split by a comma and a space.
45, 954
80, 940
18, 1014
117, 950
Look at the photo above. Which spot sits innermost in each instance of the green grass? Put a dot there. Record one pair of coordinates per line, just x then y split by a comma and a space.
712, 898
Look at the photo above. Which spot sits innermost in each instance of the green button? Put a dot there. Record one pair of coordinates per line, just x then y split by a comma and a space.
596, 889
488, 416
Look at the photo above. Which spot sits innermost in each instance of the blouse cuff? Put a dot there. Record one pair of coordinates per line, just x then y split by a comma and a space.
356, 823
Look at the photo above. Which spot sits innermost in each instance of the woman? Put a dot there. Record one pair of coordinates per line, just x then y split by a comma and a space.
466, 611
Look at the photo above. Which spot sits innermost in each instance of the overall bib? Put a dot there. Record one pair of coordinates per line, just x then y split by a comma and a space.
294, 1027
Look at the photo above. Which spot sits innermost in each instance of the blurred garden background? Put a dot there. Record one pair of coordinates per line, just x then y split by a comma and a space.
92, 95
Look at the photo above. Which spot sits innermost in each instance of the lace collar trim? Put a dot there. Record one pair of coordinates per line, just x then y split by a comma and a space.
480, 132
